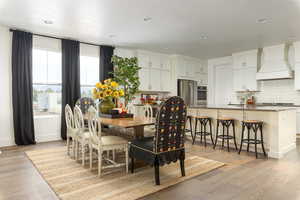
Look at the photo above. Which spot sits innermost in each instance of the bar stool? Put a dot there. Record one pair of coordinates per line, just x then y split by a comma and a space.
204, 120
226, 123
254, 125
189, 119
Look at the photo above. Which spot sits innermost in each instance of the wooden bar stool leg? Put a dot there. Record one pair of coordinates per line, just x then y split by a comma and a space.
223, 135
217, 130
234, 139
227, 128
210, 129
248, 128
195, 131
262, 139
191, 127
204, 127
255, 137
242, 137
201, 130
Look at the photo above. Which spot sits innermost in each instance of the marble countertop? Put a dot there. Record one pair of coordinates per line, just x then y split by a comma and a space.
241, 107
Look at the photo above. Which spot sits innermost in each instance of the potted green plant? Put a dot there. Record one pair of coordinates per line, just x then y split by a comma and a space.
126, 74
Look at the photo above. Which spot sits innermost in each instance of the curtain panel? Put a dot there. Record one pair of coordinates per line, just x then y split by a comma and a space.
22, 88
70, 78
106, 66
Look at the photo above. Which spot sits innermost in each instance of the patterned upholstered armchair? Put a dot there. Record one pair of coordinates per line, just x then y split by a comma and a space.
167, 145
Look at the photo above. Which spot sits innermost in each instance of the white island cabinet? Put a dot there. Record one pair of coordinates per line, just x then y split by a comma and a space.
279, 128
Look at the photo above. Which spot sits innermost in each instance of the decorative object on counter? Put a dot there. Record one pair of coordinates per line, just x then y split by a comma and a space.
106, 92
246, 97
126, 74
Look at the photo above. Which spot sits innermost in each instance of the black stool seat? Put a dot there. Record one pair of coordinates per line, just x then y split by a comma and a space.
253, 125
203, 120
226, 123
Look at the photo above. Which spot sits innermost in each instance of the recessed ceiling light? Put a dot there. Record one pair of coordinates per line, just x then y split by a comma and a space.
147, 19
262, 20
48, 21
203, 37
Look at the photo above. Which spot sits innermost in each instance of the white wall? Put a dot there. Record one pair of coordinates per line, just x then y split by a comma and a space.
6, 114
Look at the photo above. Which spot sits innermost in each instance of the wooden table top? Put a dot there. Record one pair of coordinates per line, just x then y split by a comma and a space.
127, 122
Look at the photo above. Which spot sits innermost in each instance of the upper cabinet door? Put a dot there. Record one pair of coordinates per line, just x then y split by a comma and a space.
164, 63
165, 81
245, 59
144, 75
155, 61
155, 79
143, 60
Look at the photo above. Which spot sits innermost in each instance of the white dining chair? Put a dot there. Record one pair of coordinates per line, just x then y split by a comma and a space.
148, 114
83, 135
71, 130
101, 143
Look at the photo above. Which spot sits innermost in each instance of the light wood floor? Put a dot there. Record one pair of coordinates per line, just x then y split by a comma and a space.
243, 178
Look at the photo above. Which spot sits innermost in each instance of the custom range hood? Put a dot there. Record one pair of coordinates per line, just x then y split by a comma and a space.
276, 63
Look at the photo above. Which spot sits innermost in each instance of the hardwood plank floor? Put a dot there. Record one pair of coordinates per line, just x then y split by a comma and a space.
244, 177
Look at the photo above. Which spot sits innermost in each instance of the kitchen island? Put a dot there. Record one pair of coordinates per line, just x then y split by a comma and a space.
279, 127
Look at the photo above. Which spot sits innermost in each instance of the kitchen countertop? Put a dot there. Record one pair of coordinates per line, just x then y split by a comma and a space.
249, 107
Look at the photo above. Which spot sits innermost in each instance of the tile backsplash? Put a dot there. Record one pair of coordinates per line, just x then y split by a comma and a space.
277, 91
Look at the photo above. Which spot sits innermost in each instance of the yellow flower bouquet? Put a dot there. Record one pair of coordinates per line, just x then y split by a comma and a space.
107, 91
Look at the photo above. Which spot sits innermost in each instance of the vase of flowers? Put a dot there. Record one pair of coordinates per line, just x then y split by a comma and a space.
106, 92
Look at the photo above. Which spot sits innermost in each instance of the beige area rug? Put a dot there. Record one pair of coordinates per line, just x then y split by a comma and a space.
71, 181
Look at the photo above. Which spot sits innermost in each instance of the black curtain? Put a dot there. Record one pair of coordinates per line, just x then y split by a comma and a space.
70, 78
22, 88
106, 66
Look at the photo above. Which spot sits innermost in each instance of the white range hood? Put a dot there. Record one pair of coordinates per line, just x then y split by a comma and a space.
275, 63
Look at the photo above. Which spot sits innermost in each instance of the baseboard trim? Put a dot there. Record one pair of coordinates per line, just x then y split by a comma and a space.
281, 154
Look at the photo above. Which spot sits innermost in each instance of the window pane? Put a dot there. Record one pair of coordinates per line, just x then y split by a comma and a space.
46, 70
86, 91
39, 66
54, 67
89, 70
46, 99
89, 74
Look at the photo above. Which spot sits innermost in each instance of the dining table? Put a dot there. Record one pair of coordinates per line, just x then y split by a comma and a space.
136, 123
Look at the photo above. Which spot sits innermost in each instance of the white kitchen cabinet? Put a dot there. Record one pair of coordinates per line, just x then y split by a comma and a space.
298, 120
143, 60
244, 71
297, 65
155, 79
165, 80
154, 66
144, 75
164, 63
155, 61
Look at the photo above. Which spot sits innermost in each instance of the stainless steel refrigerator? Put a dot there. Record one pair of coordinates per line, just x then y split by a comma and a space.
187, 90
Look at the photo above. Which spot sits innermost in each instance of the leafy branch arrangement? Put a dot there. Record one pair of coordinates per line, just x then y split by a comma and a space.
126, 74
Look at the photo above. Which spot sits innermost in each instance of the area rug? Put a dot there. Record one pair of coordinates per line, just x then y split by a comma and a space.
71, 181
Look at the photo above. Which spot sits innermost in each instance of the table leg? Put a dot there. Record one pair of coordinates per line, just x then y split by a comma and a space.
139, 132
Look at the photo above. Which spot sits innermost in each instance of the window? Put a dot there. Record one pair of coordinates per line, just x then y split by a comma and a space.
89, 68
46, 69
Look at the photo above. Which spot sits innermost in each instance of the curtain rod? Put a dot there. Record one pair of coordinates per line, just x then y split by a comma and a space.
53, 37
